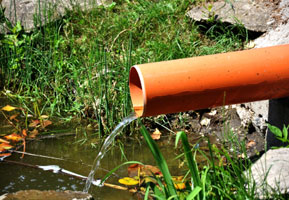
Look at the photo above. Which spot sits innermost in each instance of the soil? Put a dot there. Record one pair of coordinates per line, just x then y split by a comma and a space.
221, 125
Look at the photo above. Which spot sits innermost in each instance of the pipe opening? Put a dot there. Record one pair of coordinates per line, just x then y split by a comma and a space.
136, 90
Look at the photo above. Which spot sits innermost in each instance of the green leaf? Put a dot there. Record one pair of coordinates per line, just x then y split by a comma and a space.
146, 197
275, 130
161, 162
285, 132
158, 193
178, 136
203, 179
191, 161
194, 193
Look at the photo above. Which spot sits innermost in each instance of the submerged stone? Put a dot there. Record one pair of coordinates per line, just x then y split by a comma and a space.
46, 195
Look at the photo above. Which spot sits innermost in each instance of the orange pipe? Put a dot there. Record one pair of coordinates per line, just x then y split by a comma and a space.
210, 81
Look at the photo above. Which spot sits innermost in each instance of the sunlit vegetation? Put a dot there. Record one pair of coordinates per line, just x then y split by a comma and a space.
79, 64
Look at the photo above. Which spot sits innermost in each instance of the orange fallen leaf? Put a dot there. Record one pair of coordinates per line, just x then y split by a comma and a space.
33, 133
156, 135
46, 123
4, 141
24, 132
134, 169
143, 170
5, 146
5, 154
14, 137
13, 117
150, 169
34, 123
177, 178
180, 185
8, 108
24, 148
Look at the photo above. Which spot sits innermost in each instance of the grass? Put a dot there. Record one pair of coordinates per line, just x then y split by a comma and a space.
79, 64
224, 179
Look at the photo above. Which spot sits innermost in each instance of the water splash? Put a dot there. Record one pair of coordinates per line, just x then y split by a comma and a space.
104, 148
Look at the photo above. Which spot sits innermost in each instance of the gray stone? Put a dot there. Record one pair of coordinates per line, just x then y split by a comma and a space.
258, 114
41, 12
280, 34
46, 195
277, 36
271, 172
254, 16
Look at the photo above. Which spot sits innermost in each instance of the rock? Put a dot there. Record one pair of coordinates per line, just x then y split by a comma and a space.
41, 12
255, 113
277, 36
46, 195
274, 165
280, 34
255, 16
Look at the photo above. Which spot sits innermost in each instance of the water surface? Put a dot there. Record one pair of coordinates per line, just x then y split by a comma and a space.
78, 159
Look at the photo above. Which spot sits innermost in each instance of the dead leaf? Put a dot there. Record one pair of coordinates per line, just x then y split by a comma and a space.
5, 146
149, 179
128, 181
34, 123
24, 132
44, 116
180, 185
133, 170
4, 141
156, 135
13, 117
143, 170
33, 133
46, 123
24, 148
14, 137
250, 144
5, 154
177, 178
8, 108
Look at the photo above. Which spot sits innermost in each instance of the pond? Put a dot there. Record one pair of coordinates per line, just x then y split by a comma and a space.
77, 158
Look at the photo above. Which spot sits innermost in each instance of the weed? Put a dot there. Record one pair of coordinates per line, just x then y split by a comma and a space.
281, 135
79, 64
214, 181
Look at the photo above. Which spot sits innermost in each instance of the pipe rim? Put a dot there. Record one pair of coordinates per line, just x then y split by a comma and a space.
137, 90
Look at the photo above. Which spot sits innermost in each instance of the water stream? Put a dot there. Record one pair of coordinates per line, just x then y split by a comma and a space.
90, 179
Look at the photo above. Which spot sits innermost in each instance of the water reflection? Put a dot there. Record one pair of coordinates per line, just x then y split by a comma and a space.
78, 159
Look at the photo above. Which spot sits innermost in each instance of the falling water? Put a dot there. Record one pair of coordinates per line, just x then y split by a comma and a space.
104, 149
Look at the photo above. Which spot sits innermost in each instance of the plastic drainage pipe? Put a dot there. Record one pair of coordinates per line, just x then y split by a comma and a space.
210, 81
